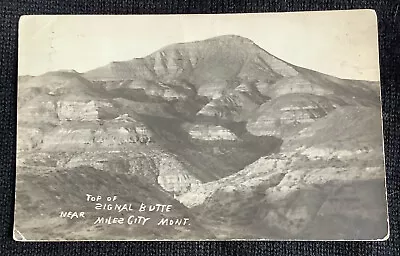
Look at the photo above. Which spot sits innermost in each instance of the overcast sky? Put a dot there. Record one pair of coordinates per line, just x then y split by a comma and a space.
343, 44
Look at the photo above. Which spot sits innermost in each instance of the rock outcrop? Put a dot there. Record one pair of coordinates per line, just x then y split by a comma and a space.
173, 175
283, 115
210, 132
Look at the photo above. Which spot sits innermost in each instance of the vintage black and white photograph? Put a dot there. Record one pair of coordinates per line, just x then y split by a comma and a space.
262, 126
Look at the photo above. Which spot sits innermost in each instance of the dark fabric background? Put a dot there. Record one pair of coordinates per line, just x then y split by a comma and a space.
389, 35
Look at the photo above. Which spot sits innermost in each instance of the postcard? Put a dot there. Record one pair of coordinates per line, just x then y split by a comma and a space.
262, 126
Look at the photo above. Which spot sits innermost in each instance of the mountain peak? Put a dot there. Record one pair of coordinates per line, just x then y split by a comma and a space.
221, 58
232, 38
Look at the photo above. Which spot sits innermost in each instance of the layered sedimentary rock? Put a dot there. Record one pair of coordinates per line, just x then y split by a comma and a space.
283, 115
294, 84
244, 143
234, 106
210, 132
173, 175
308, 181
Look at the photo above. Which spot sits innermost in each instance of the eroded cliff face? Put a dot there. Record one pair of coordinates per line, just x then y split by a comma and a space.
246, 144
174, 177
288, 114
210, 132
